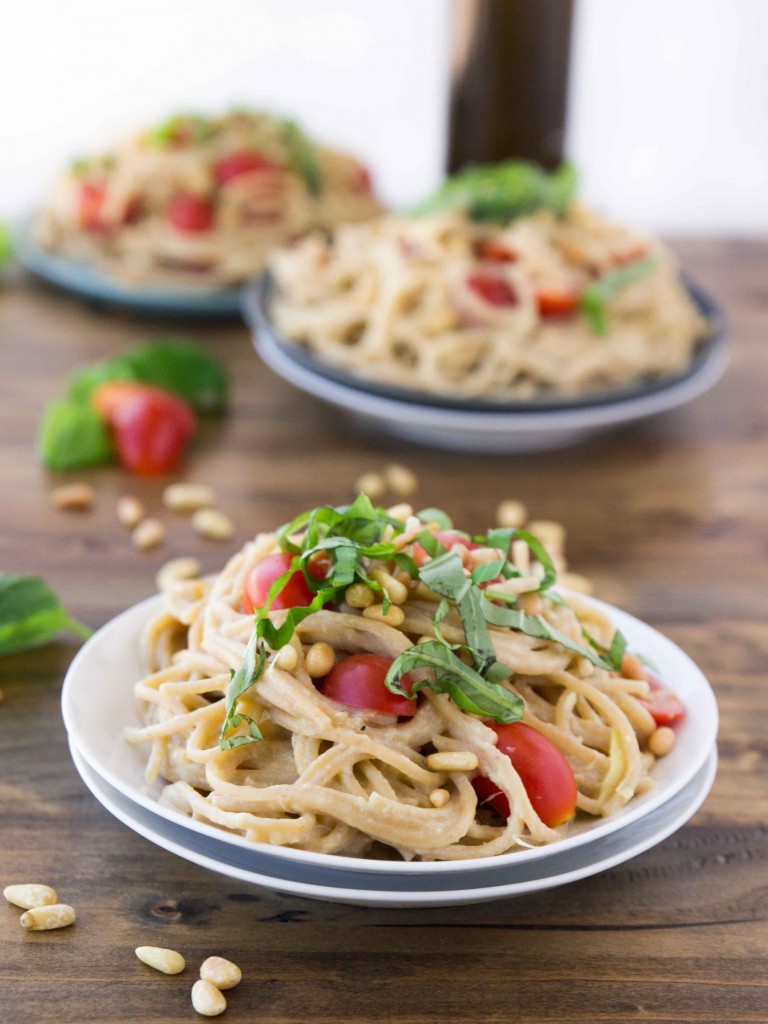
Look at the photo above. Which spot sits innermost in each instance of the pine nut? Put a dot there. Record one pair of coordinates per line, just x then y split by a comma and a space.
393, 617
413, 527
207, 999
213, 524
148, 534
287, 658
424, 593
73, 497
439, 797
661, 741
220, 972
43, 919
359, 596
398, 593
632, 667
372, 484
130, 511
511, 514
452, 761
188, 497
516, 585
30, 895
166, 960
521, 556
402, 511
175, 570
530, 603
401, 480
319, 660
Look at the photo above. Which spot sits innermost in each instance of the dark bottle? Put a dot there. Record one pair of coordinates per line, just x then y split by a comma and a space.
509, 80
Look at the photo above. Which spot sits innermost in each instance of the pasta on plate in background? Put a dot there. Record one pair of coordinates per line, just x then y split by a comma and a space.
377, 683
502, 286
199, 201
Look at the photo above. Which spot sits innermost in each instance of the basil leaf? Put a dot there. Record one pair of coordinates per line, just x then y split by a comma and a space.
303, 157
503, 537
6, 246
488, 571
279, 636
173, 364
407, 564
73, 435
31, 615
594, 299
501, 192
243, 679
436, 515
463, 684
445, 575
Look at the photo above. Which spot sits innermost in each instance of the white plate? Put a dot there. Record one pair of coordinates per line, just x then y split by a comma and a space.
98, 703
542, 426
569, 866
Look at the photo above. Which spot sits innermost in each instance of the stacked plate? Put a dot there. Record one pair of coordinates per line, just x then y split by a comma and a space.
98, 704
485, 425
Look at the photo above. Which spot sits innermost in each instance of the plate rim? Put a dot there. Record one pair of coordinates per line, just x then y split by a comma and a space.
644, 805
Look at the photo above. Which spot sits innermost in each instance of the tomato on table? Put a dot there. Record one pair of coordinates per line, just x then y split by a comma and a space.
543, 770
244, 161
358, 681
190, 213
494, 290
556, 302
295, 592
151, 427
449, 539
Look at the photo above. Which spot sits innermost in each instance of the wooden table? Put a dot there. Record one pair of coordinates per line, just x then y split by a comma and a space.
670, 520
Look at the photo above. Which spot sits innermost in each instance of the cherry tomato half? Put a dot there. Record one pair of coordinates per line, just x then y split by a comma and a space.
492, 289
151, 427
295, 593
665, 707
242, 162
496, 252
449, 539
190, 213
90, 202
553, 302
545, 773
358, 681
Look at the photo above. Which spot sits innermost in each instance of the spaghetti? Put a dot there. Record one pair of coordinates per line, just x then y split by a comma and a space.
248, 738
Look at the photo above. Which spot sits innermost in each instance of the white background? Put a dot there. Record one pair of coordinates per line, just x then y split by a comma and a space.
669, 99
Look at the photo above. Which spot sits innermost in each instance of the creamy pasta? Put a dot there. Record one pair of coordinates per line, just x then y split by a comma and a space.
550, 304
274, 738
201, 201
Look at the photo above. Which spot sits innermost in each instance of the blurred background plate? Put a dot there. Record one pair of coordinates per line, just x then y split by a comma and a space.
490, 426
97, 287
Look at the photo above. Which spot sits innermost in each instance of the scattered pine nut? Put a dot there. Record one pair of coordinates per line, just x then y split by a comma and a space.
213, 524
511, 514
439, 797
76, 497
401, 480
661, 741
452, 761
207, 999
148, 534
359, 596
372, 484
188, 497
30, 895
166, 960
287, 658
220, 972
175, 570
43, 919
319, 660
130, 511
398, 592
394, 616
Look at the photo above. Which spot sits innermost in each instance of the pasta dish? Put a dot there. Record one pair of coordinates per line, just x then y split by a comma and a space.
200, 201
376, 683
523, 301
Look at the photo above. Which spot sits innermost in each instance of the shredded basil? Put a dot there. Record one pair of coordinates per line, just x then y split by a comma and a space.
594, 299
31, 615
243, 679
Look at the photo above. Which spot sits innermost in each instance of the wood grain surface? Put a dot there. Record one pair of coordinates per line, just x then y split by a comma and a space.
670, 518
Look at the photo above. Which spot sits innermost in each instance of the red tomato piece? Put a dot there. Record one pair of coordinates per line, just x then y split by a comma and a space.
665, 707
242, 162
358, 681
449, 539
554, 302
492, 289
151, 427
90, 203
295, 593
496, 252
362, 181
190, 213
543, 770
